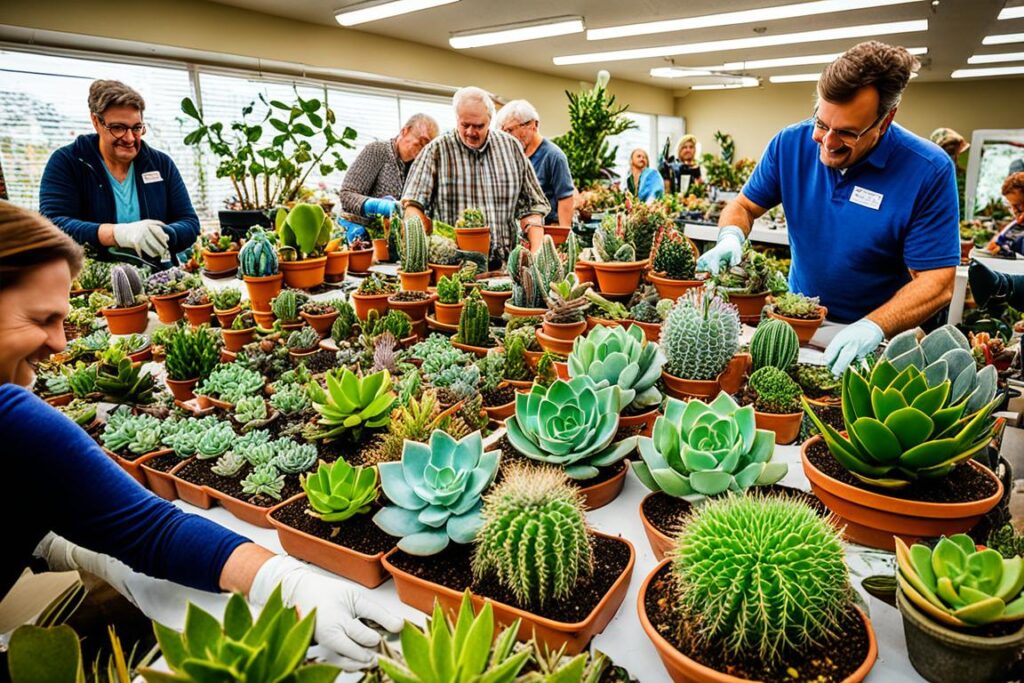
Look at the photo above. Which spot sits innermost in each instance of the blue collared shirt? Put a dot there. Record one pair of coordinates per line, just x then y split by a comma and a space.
853, 235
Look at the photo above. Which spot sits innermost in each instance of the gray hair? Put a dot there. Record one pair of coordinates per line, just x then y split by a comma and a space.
425, 120
519, 110
106, 94
471, 93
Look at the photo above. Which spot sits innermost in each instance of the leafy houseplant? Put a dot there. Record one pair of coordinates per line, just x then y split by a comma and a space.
725, 172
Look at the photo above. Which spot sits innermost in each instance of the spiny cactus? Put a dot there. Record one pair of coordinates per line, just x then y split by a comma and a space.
567, 301
642, 223
757, 577
475, 322
674, 258
443, 251
700, 335
471, 218
126, 286
525, 292
534, 536
414, 254
257, 257
776, 391
572, 251
774, 344
285, 306
303, 339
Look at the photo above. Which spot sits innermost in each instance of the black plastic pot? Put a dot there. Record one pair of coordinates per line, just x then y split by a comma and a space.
237, 223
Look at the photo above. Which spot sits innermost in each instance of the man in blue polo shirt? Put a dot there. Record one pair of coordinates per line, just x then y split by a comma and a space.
871, 208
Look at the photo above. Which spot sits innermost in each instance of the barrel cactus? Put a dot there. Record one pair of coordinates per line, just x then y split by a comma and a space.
774, 344
443, 250
414, 253
258, 257
700, 335
776, 391
623, 357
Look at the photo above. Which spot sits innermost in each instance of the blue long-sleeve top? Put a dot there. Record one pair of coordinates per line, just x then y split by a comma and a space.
55, 478
75, 193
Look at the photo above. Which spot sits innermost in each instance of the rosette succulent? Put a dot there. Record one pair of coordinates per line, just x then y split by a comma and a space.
339, 491
435, 490
215, 441
264, 480
230, 382
291, 457
352, 402
623, 357
571, 424
699, 449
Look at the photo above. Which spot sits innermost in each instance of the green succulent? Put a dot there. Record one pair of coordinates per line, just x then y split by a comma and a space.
82, 379
229, 464
900, 428
184, 435
534, 536
231, 382
435, 490
80, 411
463, 652
443, 251
250, 409
303, 339
341, 329
774, 344
120, 381
285, 306
793, 305
703, 316
191, 352
351, 403
54, 383
817, 380
674, 258
255, 446
94, 274
571, 424
449, 290
776, 391
290, 399
623, 357
303, 231
292, 458
339, 491
264, 480
215, 441
138, 434
699, 449
225, 299
959, 585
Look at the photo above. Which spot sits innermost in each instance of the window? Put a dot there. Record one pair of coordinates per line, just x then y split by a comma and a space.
642, 136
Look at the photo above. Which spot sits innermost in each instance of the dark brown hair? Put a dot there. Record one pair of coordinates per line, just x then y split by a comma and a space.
888, 68
106, 94
28, 240
1013, 183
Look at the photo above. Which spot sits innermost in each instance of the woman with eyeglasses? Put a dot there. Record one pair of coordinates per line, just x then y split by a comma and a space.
111, 189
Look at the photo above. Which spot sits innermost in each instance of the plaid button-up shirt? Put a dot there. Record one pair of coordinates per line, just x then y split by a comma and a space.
449, 177
376, 172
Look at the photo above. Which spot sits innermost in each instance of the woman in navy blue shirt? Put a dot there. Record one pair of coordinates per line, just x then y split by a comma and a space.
55, 478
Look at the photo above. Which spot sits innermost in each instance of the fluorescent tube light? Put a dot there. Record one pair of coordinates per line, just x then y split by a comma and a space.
499, 35
372, 11
1003, 39
994, 59
795, 78
993, 71
679, 72
802, 9
805, 60
724, 86
1011, 13
745, 43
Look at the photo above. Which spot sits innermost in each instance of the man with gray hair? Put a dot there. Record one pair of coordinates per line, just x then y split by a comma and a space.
377, 176
111, 189
475, 167
519, 119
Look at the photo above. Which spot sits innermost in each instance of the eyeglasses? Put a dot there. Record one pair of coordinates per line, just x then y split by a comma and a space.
517, 126
119, 130
847, 136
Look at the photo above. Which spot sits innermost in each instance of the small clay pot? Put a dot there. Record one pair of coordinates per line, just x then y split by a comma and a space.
438, 271
321, 323
495, 301
380, 250
564, 331
360, 260
304, 274
364, 303
168, 307
220, 261
262, 290
448, 314
416, 310
619, 278
558, 233
226, 317
198, 315
474, 239
415, 282
786, 426
337, 266
127, 320
182, 389
672, 289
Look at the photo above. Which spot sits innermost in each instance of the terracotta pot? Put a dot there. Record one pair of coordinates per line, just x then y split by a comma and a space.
561, 369
142, 355
593, 322
162, 483
416, 310
585, 271
247, 512
646, 419
474, 239
226, 317
532, 358
415, 282
360, 260
661, 543
438, 271
220, 261
599, 495
559, 233
435, 324
293, 325
60, 400
168, 306
564, 331
520, 385
732, 378
134, 467
198, 315
495, 301
448, 314
420, 594
502, 412
825, 401
127, 320
672, 289
264, 319
749, 306
296, 356
380, 250
619, 278
193, 494
182, 389
364, 303
652, 331
873, 518
729, 380
682, 669
228, 356
337, 266
479, 351
514, 311
352, 564
553, 344
304, 274
786, 426
804, 329
262, 290
321, 323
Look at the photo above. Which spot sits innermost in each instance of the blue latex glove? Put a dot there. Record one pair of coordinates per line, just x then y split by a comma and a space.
353, 231
854, 341
729, 249
385, 206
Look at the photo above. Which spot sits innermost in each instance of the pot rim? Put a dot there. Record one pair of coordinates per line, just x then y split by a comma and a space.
281, 526
910, 612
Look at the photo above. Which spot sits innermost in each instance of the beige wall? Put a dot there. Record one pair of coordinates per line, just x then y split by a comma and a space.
194, 24
754, 115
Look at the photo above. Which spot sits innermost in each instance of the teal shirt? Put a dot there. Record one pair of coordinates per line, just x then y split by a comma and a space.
126, 196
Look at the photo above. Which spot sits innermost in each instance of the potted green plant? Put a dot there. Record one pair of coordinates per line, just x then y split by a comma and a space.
748, 284
565, 318
303, 234
129, 438
302, 343
228, 382
803, 313
337, 255
372, 295
443, 256
241, 332
166, 289
449, 304
495, 293
198, 307
379, 230
130, 312
532, 275
472, 232
648, 311
319, 315
286, 307
351, 403
776, 400
617, 264
219, 253
120, 381
415, 305
360, 256
257, 259
191, 354
474, 334
820, 387
414, 274
227, 303
673, 265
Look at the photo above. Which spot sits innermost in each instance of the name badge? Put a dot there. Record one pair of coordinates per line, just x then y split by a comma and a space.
867, 198
154, 177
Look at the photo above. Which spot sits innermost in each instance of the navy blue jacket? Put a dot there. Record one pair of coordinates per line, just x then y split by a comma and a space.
75, 193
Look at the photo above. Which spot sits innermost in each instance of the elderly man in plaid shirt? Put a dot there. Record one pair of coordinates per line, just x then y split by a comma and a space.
475, 167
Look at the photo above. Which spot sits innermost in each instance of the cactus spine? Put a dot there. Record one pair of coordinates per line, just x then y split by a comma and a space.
475, 322
700, 335
258, 258
774, 344
126, 286
414, 256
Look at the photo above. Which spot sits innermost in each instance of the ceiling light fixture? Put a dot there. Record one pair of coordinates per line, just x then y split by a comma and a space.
744, 83
993, 59
1003, 39
1011, 13
992, 71
744, 43
514, 33
679, 72
803, 9
363, 12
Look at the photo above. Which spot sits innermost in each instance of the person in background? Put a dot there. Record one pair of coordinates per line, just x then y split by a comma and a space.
476, 167
1012, 236
953, 144
56, 478
871, 208
378, 174
519, 119
111, 189
642, 181
686, 152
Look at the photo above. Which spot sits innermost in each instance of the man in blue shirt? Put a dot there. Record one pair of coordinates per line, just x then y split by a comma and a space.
871, 208
519, 119
113, 190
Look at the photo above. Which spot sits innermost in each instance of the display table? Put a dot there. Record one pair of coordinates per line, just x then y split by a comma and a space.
999, 265
760, 232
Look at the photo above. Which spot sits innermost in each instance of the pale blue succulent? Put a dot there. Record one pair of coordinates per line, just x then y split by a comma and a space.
622, 356
435, 490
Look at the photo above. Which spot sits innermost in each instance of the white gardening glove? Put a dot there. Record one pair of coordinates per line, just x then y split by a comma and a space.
339, 608
144, 237
729, 249
852, 342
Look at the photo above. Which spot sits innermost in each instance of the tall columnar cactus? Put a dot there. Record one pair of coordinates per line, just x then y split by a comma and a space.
414, 256
285, 306
475, 322
774, 344
526, 291
572, 251
547, 268
700, 335
258, 258
534, 536
126, 286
